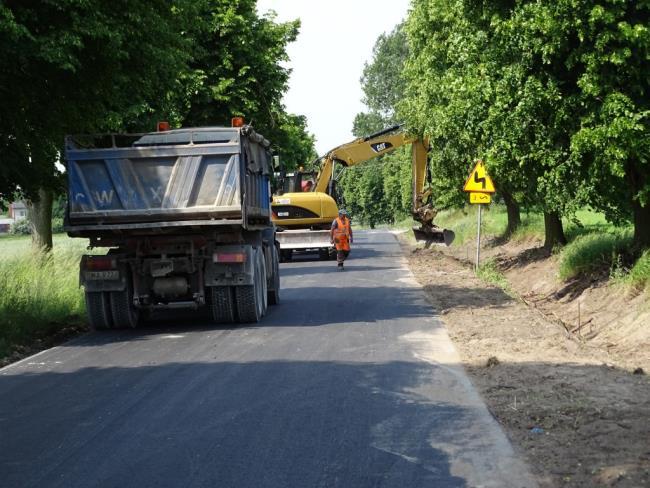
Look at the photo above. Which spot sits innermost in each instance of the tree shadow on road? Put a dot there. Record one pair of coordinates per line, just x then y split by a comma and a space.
230, 424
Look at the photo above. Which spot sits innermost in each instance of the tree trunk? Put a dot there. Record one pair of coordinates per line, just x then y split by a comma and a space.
553, 231
638, 180
40, 217
641, 225
514, 217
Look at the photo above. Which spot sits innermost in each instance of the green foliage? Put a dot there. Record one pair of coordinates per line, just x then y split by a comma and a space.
293, 143
236, 69
57, 225
73, 66
592, 253
489, 272
58, 207
21, 228
40, 293
551, 94
379, 191
639, 276
494, 220
383, 83
463, 222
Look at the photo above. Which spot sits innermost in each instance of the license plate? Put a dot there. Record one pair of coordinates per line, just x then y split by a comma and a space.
283, 214
102, 275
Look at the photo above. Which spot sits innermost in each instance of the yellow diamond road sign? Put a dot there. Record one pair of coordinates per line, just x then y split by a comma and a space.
479, 180
479, 198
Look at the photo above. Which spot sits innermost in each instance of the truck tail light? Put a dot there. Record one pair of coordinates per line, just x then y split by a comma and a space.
237, 122
99, 263
229, 257
163, 126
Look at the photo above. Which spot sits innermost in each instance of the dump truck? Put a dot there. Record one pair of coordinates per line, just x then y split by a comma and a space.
184, 221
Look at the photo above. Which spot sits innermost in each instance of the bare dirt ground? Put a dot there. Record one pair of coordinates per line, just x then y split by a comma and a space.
563, 387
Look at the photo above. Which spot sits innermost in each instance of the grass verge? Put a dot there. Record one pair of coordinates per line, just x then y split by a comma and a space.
40, 293
495, 220
489, 273
638, 277
591, 253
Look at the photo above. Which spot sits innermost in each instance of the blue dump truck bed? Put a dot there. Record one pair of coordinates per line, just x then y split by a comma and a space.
185, 219
185, 177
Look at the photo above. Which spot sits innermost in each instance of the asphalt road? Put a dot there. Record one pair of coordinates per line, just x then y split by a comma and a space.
350, 382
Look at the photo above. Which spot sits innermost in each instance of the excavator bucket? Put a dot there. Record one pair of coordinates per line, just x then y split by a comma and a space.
433, 235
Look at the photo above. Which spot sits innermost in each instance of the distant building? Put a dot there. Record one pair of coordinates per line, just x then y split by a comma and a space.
17, 211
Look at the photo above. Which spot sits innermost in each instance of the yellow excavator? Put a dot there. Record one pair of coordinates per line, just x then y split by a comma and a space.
305, 204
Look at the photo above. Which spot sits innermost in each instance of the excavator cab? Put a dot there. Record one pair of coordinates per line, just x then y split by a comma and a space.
297, 182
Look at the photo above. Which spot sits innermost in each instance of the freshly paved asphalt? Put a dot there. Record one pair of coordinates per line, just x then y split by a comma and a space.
350, 382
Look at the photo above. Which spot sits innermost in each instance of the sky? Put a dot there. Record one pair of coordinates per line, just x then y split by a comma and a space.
336, 39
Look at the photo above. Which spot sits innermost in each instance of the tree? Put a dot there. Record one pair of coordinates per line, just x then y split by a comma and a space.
363, 194
73, 66
613, 141
236, 69
380, 191
446, 93
383, 82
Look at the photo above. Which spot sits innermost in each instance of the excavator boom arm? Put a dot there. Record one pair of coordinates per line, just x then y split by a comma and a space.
385, 141
358, 151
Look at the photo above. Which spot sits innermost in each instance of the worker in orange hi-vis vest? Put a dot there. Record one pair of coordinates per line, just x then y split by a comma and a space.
341, 237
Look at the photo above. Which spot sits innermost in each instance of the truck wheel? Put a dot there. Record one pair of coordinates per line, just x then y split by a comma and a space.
222, 304
98, 307
274, 282
125, 315
251, 299
323, 254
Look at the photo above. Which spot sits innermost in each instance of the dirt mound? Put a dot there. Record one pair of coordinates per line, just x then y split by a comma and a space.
609, 319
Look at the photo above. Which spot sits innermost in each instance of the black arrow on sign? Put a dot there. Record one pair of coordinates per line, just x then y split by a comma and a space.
479, 180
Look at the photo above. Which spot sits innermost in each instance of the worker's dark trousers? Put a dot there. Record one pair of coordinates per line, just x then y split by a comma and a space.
341, 256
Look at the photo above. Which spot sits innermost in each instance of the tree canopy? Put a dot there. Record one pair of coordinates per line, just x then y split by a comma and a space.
379, 191
551, 94
76, 66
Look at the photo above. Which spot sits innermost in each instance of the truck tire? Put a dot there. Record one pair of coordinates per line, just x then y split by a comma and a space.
274, 281
125, 315
222, 304
251, 299
323, 254
98, 308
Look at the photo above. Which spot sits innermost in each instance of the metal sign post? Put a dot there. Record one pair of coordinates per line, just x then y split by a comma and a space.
479, 185
478, 238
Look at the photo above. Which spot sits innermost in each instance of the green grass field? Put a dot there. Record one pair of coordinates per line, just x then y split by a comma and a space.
39, 293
